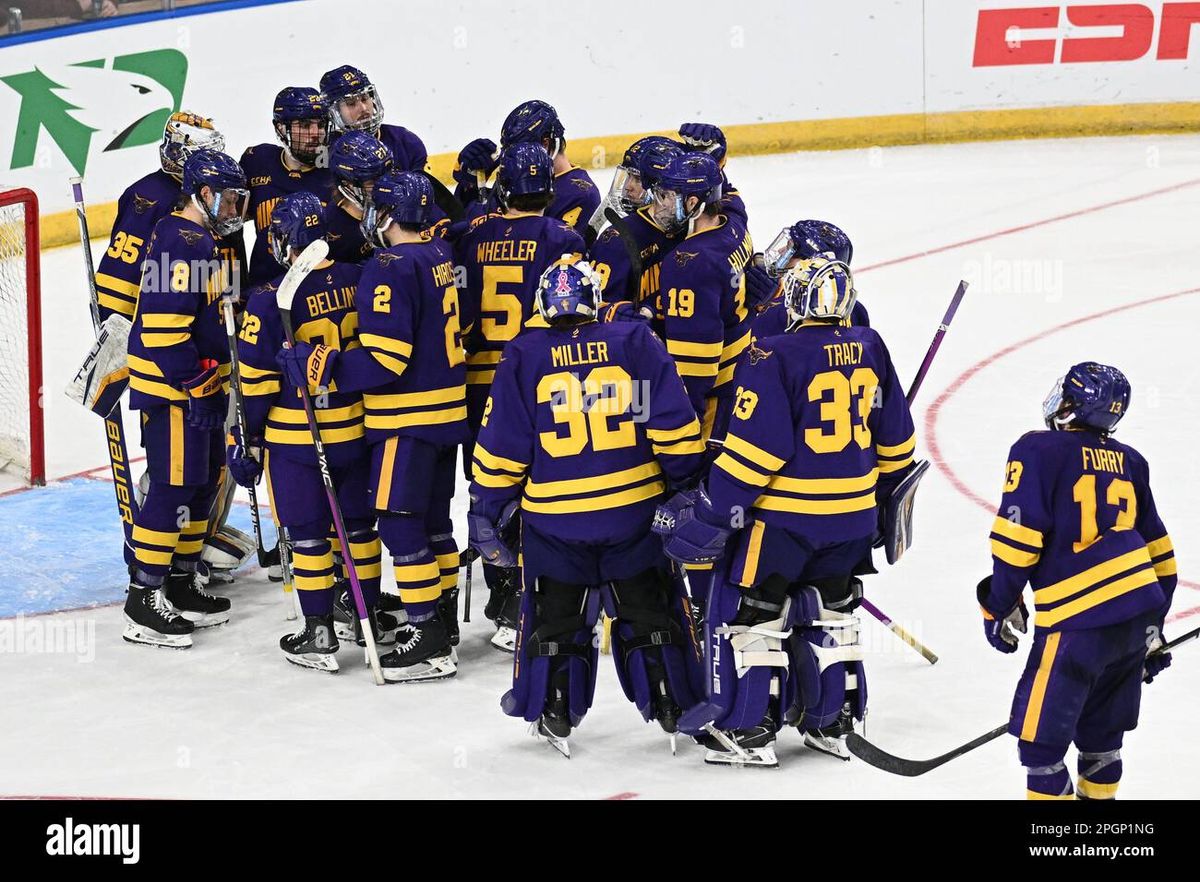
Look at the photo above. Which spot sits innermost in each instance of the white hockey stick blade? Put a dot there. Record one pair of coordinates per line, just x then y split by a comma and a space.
301, 267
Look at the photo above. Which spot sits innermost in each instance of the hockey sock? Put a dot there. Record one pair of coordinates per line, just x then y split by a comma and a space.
445, 549
1046, 773
417, 574
367, 553
312, 570
1099, 766
156, 532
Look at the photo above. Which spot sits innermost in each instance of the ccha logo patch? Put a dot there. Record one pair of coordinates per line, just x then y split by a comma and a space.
116, 103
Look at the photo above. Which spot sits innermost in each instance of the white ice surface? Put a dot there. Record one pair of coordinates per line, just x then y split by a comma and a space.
230, 718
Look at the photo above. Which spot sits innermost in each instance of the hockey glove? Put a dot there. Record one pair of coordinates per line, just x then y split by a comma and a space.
481, 155
1156, 662
692, 532
206, 398
704, 138
244, 464
760, 287
308, 366
1000, 630
488, 537
624, 311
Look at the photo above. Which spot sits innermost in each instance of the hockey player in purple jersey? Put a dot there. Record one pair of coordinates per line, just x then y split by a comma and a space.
355, 106
412, 373
146, 202
356, 161
301, 119
587, 428
502, 259
178, 377
531, 122
1078, 523
702, 297
627, 253
322, 313
820, 430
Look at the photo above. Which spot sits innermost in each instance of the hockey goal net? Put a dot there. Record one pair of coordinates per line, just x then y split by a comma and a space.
22, 451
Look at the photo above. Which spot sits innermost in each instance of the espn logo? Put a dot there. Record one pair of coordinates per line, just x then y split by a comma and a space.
1000, 40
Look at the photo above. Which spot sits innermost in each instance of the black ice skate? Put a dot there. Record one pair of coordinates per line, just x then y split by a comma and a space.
183, 591
448, 610
345, 618
150, 620
313, 646
554, 725
745, 748
831, 739
422, 652
503, 607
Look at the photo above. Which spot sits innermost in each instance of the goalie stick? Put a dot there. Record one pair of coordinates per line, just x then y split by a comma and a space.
881, 759
301, 267
114, 426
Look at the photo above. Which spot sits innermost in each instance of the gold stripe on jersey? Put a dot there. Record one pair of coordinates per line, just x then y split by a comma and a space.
256, 381
126, 308
1017, 557
605, 501
1050, 617
399, 400
1163, 553
489, 460
386, 344
897, 449
774, 502
163, 339
696, 369
688, 349
683, 441
752, 453
578, 486
489, 470
296, 416
1137, 559
167, 320
118, 286
1012, 530
329, 434
826, 486
743, 473
388, 421
729, 358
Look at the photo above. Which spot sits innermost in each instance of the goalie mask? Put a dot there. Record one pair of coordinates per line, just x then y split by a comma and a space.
819, 289
183, 135
568, 287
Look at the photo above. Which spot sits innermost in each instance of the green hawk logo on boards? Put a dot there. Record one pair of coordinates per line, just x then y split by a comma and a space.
106, 104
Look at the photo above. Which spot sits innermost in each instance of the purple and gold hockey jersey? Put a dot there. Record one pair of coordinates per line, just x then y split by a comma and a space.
269, 181
610, 257
702, 301
575, 198
818, 415
178, 323
346, 242
140, 208
1077, 521
322, 313
410, 368
772, 319
590, 426
503, 258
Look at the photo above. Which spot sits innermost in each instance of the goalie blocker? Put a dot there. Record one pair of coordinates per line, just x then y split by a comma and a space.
896, 513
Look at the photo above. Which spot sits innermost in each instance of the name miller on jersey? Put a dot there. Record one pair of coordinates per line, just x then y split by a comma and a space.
571, 354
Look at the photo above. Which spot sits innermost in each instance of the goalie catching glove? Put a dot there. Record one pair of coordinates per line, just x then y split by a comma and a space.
692, 532
493, 539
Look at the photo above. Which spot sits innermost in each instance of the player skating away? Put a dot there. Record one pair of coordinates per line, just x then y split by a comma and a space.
412, 373
530, 122
143, 204
503, 257
1078, 523
356, 161
322, 313
355, 106
613, 252
178, 376
301, 119
820, 429
802, 241
587, 427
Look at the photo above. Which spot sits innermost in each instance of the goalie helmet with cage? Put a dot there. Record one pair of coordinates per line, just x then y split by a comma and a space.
297, 221
398, 197
183, 135
301, 104
225, 208
1090, 395
820, 289
354, 103
357, 161
569, 289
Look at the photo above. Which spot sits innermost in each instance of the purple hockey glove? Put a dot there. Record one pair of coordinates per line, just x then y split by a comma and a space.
243, 460
1001, 630
759, 286
307, 365
488, 537
206, 398
478, 156
704, 138
692, 532
1156, 662
623, 311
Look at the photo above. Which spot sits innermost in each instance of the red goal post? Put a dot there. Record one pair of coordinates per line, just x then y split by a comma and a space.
22, 429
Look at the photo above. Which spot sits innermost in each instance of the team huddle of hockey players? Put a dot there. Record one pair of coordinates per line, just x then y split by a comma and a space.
678, 448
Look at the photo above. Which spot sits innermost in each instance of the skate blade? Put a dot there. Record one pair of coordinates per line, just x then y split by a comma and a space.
136, 634
205, 620
505, 639
749, 758
835, 747
559, 744
432, 669
314, 661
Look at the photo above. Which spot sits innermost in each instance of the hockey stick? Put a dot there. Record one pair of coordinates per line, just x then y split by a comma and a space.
881, 759
633, 284
114, 426
284, 545
467, 559
899, 632
301, 267
239, 414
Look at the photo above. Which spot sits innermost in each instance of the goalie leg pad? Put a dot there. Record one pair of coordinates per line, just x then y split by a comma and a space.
654, 646
746, 661
826, 658
227, 549
554, 649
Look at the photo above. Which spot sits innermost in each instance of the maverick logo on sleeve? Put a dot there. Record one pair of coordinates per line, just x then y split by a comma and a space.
100, 105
